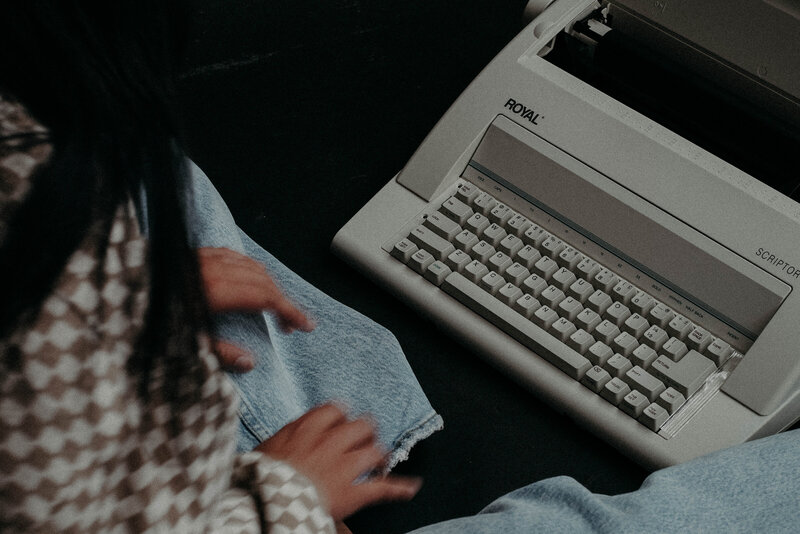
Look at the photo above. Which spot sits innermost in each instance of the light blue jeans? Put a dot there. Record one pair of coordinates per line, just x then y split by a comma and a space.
347, 358
753, 487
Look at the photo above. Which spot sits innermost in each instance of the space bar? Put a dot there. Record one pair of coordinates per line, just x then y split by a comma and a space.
515, 325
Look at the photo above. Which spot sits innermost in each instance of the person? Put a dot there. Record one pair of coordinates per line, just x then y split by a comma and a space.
113, 413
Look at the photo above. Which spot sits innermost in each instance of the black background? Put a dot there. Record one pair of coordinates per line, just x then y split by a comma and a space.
299, 112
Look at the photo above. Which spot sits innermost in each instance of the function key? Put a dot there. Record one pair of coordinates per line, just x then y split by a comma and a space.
456, 210
427, 239
718, 351
595, 378
640, 380
634, 403
420, 260
442, 226
403, 250
615, 390
671, 400
466, 192
699, 339
436, 272
653, 416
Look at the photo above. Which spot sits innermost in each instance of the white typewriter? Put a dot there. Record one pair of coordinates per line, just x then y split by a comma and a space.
606, 213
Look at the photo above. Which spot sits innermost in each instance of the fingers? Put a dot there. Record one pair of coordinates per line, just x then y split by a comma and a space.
389, 488
355, 445
235, 282
233, 358
226, 255
351, 435
363, 461
304, 433
290, 317
315, 425
335, 452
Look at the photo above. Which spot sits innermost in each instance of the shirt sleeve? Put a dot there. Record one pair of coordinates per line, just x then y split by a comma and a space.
274, 495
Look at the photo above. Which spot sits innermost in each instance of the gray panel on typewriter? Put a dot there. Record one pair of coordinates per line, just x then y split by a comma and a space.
760, 38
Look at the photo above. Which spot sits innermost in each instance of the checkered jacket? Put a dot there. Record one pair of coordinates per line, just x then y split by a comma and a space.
80, 449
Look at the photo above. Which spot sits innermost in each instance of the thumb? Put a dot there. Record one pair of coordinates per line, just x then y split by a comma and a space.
233, 358
390, 488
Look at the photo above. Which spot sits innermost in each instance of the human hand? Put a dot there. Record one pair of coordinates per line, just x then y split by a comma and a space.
333, 451
234, 282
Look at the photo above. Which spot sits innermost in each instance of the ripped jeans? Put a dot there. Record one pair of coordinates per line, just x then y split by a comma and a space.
348, 358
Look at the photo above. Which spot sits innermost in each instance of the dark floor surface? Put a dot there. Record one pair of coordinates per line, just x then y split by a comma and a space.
299, 112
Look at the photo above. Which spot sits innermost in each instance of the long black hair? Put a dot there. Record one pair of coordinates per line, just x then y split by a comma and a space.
99, 76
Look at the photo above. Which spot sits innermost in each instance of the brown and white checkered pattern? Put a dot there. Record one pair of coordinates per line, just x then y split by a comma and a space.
80, 449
